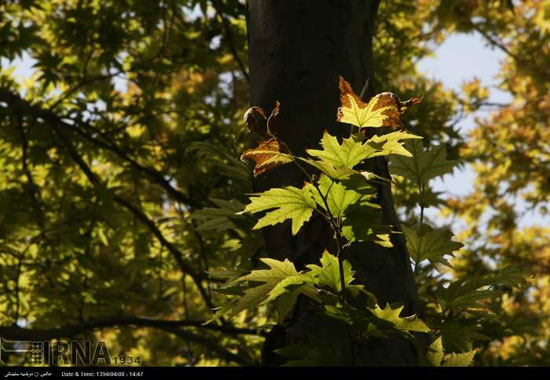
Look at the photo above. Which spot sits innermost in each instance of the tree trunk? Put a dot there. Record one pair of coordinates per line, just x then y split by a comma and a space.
297, 50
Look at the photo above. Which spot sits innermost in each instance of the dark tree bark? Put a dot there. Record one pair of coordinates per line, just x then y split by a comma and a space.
297, 50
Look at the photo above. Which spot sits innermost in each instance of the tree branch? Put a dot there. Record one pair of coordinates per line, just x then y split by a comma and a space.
33, 188
211, 345
20, 333
498, 44
228, 34
173, 327
21, 106
96, 182
176, 253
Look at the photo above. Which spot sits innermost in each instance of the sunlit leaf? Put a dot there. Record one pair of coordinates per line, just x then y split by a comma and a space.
281, 280
382, 110
348, 154
328, 273
405, 324
435, 353
267, 155
339, 195
353, 151
459, 360
288, 203
391, 143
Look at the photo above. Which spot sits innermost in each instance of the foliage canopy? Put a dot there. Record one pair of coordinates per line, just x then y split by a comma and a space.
126, 215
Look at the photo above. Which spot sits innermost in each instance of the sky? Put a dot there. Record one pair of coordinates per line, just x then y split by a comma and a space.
461, 58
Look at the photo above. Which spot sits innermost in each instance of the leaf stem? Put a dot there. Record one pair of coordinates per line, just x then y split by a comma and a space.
337, 229
421, 188
302, 169
334, 224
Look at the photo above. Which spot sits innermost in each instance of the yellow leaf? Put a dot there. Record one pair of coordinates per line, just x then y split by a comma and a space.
383, 110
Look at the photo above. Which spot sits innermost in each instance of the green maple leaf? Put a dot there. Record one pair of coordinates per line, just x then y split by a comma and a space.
220, 218
511, 275
459, 334
329, 169
285, 304
286, 285
348, 154
423, 165
280, 281
286, 292
403, 324
226, 273
459, 360
353, 151
464, 294
328, 273
286, 203
246, 246
361, 223
249, 299
391, 143
435, 353
431, 244
339, 195
436, 356
278, 270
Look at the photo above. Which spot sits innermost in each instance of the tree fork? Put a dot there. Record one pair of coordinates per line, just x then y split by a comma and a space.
297, 50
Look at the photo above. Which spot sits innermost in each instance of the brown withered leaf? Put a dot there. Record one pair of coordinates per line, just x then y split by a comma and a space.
256, 122
272, 120
382, 110
266, 156
411, 102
